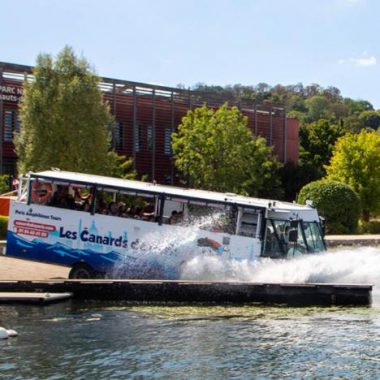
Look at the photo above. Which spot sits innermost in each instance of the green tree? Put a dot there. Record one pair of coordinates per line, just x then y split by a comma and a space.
215, 150
63, 118
352, 124
370, 119
296, 103
356, 107
335, 201
4, 184
356, 162
317, 140
121, 166
318, 107
339, 110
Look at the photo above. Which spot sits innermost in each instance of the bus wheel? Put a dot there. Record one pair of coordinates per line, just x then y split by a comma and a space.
81, 271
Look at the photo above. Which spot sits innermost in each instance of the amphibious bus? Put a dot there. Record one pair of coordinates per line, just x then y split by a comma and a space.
102, 226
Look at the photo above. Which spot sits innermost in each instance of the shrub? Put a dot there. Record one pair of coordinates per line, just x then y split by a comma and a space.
371, 227
335, 201
4, 183
3, 227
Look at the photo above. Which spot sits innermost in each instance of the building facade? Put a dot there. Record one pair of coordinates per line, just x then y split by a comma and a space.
145, 116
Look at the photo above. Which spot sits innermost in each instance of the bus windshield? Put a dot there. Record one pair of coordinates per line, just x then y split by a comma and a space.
277, 242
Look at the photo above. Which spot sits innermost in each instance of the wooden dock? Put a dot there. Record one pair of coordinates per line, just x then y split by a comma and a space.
33, 297
190, 292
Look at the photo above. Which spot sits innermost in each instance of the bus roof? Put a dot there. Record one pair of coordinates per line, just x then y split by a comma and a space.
152, 188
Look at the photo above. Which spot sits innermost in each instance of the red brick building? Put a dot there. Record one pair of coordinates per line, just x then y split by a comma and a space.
145, 117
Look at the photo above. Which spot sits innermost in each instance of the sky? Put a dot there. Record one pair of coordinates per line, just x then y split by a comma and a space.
216, 42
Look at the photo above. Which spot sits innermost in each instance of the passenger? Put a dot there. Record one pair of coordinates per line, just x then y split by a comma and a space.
285, 236
176, 217
131, 212
68, 202
270, 240
62, 198
102, 207
86, 206
138, 213
58, 196
148, 212
122, 209
113, 209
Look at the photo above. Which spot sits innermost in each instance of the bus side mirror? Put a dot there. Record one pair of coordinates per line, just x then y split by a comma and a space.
323, 225
293, 236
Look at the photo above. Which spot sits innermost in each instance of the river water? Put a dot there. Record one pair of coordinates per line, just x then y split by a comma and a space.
89, 340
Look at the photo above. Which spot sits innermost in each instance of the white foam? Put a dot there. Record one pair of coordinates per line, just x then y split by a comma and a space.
348, 266
168, 251
343, 266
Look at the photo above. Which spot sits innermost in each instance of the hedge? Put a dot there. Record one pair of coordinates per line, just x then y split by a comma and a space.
336, 201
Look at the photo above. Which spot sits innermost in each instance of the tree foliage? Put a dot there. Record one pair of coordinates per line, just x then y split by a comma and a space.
356, 162
370, 119
324, 115
317, 140
121, 166
63, 118
336, 201
215, 150
4, 184
318, 107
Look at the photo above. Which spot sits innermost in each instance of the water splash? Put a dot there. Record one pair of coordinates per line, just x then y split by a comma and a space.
159, 257
348, 266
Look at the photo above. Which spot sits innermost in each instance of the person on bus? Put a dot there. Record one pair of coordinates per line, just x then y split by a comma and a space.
56, 199
148, 212
113, 209
176, 217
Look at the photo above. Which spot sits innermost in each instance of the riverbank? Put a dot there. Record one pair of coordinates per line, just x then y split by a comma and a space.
333, 241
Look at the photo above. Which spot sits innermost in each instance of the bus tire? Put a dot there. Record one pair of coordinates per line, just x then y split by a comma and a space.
81, 271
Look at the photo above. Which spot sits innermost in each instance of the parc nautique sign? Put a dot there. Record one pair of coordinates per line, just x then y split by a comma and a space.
11, 93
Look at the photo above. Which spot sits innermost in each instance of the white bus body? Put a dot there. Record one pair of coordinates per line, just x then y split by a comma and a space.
178, 224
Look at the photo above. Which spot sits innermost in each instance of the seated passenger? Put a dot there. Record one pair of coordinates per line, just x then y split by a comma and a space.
68, 202
101, 207
86, 206
138, 213
122, 209
148, 213
62, 198
113, 209
58, 196
176, 217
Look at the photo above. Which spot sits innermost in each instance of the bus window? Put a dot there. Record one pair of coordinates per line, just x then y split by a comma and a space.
276, 238
54, 195
113, 203
215, 218
248, 222
174, 211
63, 197
313, 236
